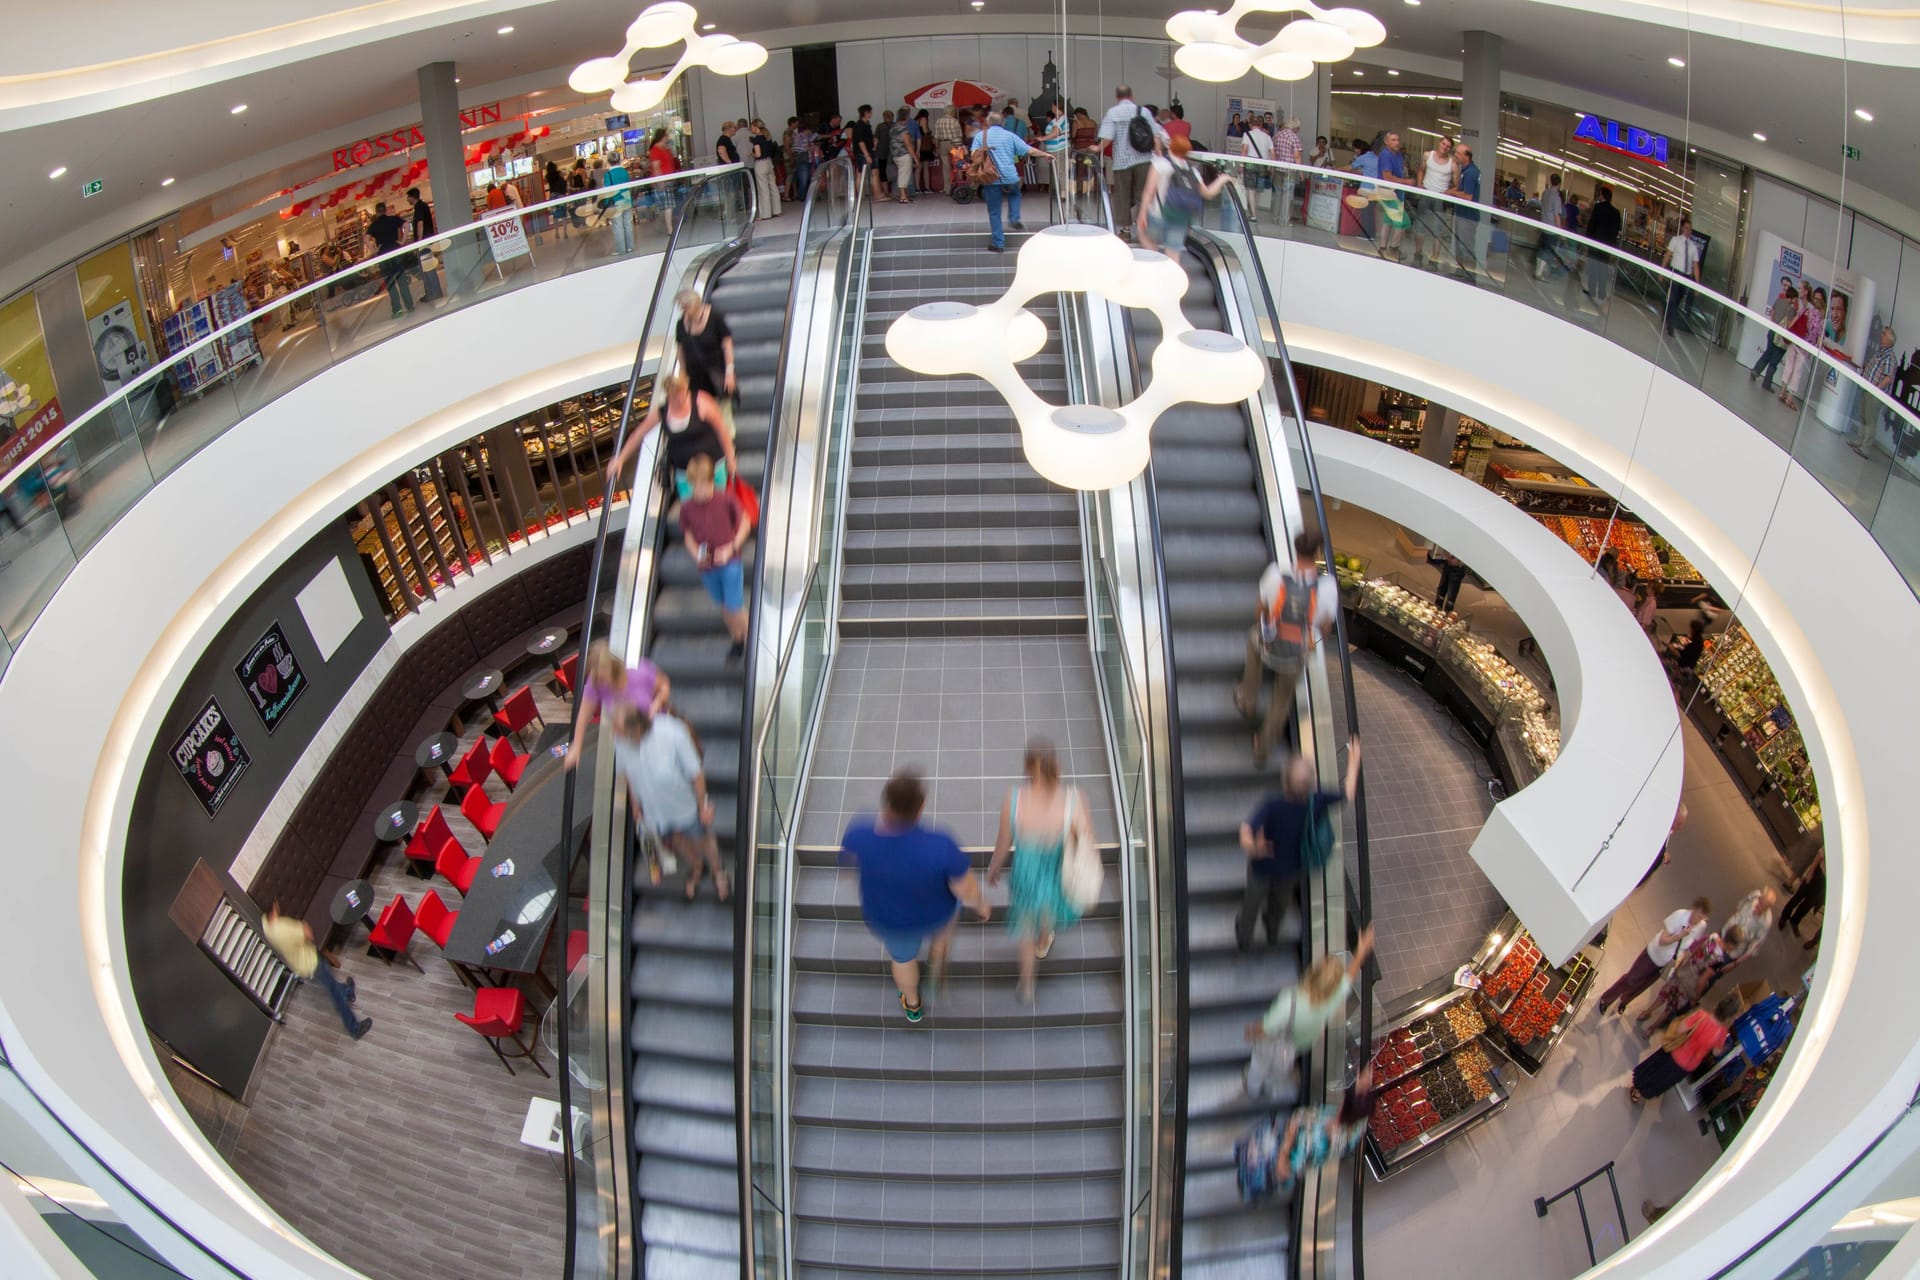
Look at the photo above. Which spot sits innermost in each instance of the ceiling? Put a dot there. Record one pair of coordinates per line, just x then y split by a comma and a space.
298, 111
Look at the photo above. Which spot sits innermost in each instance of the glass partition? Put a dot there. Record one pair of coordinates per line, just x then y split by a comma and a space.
714, 221
1832, 408
226, 361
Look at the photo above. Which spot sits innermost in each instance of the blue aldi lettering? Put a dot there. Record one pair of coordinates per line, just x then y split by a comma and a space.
1611, 135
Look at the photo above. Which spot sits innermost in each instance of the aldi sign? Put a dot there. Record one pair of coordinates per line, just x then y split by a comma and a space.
1611, 135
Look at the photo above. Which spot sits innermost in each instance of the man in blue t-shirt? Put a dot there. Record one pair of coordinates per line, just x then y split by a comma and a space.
1272, 835
1007, 150
912, 882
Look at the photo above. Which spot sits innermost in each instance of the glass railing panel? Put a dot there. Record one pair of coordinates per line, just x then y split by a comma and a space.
109, 456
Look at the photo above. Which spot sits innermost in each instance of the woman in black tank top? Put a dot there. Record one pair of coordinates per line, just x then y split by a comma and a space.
694, 427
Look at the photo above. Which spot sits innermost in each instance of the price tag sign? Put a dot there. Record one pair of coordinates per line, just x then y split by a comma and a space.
507, 239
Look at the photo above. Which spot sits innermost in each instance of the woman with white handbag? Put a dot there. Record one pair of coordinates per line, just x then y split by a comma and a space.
1056, 867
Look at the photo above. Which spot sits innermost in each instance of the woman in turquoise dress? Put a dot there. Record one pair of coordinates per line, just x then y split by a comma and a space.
1033, 827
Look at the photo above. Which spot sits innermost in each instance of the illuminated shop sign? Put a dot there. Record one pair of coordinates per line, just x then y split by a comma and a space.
387, 144
1611, 135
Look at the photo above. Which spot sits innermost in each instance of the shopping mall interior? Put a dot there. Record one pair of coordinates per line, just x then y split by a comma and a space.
798, 640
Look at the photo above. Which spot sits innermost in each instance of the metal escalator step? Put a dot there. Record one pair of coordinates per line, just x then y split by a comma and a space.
699, 656
929, 546
1097, 943
826, 892
1024, 1106
1034, 616
904, 1052
938, 450
664, 1263
957, 478
1248, 980
1217, 554
980, 1249
688, 1185
960, 581
684, 1031
704, 929
685, 1137
958, 1156
1059, 1000
691, 1230
681, 1086
1008, 1201
1257, 1236
997, 512
1208, 651
987, 415
1196, 426
1224, 469
676, 979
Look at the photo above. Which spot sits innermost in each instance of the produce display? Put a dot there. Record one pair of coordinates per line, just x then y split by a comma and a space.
1513, 972
1420, 1042
1501, 684
1741, 684
1533, 1014
1406, 611
1476, 1070
1538, 477
1628, 540
1349, 571
1674, 564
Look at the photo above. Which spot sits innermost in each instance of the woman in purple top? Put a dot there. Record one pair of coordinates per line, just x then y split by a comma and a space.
609, 682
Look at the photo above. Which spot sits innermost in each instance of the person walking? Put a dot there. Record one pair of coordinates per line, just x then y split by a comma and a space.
1809, 322
618, 205
1603, 227
385, 230
715, 529
1297, 605
695, 428
1129, 130
1175, 196
1055, 140
860, 146
667, 791
706, 351
1453, 572
1688, 979
1036, 820
1553, 216
913, 880
1007, 149
1288, 149
1298, 1015
1753, 921
293, 941
801, 161
1284, 834
1879, 372
1469, 250
1676, 931
902, 156
1774, 349
1683, 259
1393, 169
1085, 144
1809, 893
1273, 1154
607, 683
766, 183
1256, 143
1687, 1044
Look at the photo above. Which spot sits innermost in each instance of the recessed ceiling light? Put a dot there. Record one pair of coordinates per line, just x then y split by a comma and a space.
1414, 3
57, 173
456, 79
1357, 71
505, 31
1759, 137
166, 182
1863, 114
237, 110
1676, 62
708, 26
1392, 72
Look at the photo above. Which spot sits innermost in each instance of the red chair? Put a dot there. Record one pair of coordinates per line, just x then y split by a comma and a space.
519, 711
568, 672
393, 931
430, 840
497, 1015
576, 948
482, 812
455, 864
508, 764
435, 920
473, 767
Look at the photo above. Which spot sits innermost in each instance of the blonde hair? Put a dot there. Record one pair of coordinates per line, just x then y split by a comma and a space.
699, 468
687, 298
675, 384
1323, 979
1042, 763
603, 668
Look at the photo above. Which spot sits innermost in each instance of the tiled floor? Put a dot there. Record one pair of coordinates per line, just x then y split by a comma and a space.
400, 1154
961, 711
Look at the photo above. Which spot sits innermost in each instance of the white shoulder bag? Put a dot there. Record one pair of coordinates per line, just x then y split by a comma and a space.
1080, 869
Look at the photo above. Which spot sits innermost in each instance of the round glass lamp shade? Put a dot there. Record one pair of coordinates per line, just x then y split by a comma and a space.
597, 75
1026, 334
1148, 279
1284, 66
662, 24
943, 338
735, 57
1208, 366
1190, 25
1365, 30
1083, 446
1212, 61
1311, 38
1069, 257
640, 95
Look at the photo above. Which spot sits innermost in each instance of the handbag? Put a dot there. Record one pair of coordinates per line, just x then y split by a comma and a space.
1080, 870
745, 498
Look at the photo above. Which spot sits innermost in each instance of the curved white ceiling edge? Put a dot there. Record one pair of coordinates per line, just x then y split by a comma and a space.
1888, 37
1617, 714
155, 587
67, 93
1828, 610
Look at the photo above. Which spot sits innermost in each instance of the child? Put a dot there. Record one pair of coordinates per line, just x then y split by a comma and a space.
715, 529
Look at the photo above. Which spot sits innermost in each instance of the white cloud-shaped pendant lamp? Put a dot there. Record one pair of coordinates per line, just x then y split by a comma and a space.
1079, 446
1212, 48
657, 26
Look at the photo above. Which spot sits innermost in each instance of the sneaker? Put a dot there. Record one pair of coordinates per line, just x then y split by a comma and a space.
996, 248
736, 651
1018, 226
911, 1010
366, 1025
353, 991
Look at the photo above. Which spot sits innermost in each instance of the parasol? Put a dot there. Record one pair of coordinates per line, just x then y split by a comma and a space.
955, 93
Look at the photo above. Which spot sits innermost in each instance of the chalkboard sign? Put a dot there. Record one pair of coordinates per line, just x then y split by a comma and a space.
210, 757
272, 677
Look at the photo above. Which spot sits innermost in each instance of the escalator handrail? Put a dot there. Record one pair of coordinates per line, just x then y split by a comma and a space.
1363, 880
749, 748
641, 607
1176, 824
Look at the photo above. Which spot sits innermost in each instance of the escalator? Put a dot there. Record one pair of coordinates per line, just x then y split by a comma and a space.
680, 1019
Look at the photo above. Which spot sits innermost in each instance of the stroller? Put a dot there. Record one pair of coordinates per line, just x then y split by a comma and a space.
962, 190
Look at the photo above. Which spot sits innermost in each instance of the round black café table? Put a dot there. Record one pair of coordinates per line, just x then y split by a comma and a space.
546, 642
353, 903
396, 821
437, 751
485, 684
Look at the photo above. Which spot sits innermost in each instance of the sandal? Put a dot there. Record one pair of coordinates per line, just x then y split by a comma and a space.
693, 887
1046, 945
722, 889
1635, 1097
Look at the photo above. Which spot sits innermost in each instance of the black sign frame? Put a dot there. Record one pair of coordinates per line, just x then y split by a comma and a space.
271, 663
210, 757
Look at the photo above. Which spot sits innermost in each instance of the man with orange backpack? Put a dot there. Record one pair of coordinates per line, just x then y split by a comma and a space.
1297, 605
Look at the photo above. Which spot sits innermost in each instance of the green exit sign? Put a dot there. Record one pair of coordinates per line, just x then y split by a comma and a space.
93, 188
1851, 153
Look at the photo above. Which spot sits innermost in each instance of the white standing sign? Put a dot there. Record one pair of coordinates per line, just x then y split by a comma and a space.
507, 239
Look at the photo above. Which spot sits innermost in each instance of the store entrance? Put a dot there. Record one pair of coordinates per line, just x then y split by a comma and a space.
816, 82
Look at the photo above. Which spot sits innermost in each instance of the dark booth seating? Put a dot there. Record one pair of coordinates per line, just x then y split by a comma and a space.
329, 839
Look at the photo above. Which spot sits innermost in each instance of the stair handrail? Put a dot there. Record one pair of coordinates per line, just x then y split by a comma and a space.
646, 465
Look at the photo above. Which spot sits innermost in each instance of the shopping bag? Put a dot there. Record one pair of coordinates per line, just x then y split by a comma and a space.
749, 501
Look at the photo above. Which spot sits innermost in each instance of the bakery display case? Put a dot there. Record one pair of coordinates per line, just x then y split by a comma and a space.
1494, 685
1438, 1077
420, 534
1413, 618
1529, 742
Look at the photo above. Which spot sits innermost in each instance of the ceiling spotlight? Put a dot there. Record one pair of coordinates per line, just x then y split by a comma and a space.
61, 172
979, 4
1676, 62
708, 26
166, 182
1392, 72
1862, 113
1357, 71
237, 110
1759, 137
1414, 3
505, 31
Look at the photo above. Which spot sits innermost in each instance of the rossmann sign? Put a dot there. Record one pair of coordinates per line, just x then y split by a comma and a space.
383, 145
1611, 135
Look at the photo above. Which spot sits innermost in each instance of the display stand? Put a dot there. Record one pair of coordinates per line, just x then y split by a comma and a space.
1439, 1078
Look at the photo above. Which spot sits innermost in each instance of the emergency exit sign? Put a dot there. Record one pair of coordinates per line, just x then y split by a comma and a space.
1850, 152
93, 188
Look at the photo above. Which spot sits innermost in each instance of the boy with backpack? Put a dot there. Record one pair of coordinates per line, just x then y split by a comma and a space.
1297, 605
1175, 196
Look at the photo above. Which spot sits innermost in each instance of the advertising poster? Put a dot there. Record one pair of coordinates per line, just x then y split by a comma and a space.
272, 677
26, 378
210, 757
116, 322
1323, 203
507, 239
1246, 108
1832, 306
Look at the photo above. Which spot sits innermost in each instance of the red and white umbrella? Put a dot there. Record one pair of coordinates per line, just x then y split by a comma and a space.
955, 93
